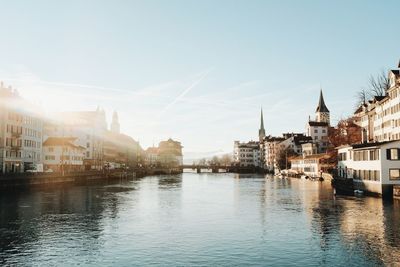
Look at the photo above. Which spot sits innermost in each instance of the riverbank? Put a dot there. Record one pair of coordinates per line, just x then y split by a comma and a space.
42, 179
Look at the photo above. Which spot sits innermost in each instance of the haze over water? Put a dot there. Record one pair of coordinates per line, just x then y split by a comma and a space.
197, 219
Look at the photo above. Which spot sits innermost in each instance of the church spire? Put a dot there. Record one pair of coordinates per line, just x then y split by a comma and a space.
261, 131
321, 105
115, 127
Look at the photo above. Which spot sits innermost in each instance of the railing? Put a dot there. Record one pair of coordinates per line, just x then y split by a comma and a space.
16, 134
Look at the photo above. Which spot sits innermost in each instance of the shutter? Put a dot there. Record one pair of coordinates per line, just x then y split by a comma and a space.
388, 155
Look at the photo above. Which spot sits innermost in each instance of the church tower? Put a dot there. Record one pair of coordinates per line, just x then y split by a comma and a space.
261, 131
115, 128
322, 112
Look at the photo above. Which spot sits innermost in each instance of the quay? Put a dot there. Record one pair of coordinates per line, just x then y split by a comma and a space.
40, 179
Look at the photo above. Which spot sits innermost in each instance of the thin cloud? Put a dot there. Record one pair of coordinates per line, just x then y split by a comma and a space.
187, 90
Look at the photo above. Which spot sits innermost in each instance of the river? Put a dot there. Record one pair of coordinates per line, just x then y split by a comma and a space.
197, 220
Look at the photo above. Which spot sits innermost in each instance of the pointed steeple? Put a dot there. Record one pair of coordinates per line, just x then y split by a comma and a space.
115, 128
261, 131
321, 105
262, 120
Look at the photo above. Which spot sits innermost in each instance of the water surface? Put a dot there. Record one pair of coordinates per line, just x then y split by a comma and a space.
197, 220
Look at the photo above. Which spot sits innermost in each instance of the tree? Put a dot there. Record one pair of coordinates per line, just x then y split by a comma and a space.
214, 160
377, 86
283, 156
226, 159
346, 132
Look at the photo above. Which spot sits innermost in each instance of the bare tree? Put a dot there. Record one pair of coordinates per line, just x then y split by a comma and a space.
379, 84
362, 97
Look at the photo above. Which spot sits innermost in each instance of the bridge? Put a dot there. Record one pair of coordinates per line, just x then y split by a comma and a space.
213, 168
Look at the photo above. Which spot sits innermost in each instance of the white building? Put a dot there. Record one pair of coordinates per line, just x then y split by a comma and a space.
247, 154
310, 165
63, 154
21, 127
380, 117
318, 129
375, 167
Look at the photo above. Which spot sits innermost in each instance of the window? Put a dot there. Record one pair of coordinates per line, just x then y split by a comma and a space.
374, 154
394, 174
342, 156
392, 154
315, 130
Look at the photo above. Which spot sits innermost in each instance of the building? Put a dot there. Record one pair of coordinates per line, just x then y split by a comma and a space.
380, 116
89, 127
247, 154
318, 129
294, 142
120, 151
308, 148
374, 167
115, 126
271, 150
151, 156
21, 127
63, 154
170, 153
310, 165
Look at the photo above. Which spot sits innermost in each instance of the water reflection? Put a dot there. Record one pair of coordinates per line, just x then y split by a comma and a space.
198, 219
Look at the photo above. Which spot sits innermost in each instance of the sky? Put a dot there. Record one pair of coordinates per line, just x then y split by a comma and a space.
197, 71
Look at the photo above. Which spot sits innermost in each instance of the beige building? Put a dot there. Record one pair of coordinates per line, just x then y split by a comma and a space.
380, 117
310, 165
21, 126
63, 154
271, 148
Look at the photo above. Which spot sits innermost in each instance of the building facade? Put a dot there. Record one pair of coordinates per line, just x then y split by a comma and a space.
21, 127
247, 154
63, 154
89, 127
374, 167
380, 116
271, 149
310, 165
170, 153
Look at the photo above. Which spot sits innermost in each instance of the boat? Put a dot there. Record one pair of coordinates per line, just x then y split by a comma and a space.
358, 192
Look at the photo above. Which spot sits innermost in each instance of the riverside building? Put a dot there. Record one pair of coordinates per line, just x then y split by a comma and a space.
89, 127
380, 116
246, 154
21, 127
374, 167
63, 154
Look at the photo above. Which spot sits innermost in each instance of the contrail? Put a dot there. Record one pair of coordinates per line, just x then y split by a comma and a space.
187, 90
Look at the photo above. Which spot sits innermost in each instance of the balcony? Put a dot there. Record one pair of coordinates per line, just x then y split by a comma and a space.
16, 134
16, 148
